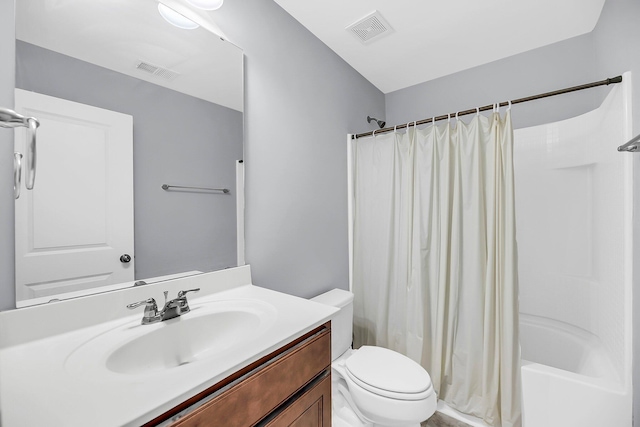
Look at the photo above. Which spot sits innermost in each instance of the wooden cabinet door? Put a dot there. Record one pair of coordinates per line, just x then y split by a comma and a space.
312, 409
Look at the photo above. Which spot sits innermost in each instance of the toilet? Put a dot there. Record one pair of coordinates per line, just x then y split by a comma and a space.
373, 386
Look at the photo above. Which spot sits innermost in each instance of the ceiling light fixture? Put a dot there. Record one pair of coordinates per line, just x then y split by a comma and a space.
176, 19
206, 4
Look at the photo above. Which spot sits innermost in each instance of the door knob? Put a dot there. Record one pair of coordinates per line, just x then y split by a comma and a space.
125, 258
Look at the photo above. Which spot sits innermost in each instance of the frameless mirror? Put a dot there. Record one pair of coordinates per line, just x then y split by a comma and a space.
140, 136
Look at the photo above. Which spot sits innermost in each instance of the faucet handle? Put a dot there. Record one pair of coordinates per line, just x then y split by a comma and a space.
183, 293
149, 302
151, 314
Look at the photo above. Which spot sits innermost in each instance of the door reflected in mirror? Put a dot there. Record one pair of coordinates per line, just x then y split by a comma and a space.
127, 103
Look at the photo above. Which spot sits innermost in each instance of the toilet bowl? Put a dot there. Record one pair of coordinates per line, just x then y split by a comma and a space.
373, 386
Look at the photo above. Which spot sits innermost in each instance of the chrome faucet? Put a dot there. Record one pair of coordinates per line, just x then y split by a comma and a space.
177, 307
173, 308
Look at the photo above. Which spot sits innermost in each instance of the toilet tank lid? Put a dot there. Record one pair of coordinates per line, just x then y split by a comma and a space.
335, 298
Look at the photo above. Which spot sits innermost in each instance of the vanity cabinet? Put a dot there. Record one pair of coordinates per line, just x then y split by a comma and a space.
289, 387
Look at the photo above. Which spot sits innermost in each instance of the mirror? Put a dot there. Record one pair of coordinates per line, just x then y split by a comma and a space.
100, 71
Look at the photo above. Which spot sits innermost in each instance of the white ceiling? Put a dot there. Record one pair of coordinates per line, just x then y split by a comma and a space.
115, 34
431, 39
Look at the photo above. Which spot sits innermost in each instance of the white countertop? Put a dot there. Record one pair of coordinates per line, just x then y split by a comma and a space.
38, 388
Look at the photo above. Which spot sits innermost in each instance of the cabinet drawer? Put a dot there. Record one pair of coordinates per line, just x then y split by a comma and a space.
247, 402
311, 409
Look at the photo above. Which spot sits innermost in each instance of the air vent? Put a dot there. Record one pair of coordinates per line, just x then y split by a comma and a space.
370, 28
156, 71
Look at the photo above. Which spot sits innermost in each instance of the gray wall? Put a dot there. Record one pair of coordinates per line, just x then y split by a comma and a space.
301, 101
177, 139
560, 65
609, 50
7, 75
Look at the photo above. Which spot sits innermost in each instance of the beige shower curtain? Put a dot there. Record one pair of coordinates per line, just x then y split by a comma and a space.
434, 258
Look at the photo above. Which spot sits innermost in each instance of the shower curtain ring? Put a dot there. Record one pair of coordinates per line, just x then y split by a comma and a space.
509, 108
477, 111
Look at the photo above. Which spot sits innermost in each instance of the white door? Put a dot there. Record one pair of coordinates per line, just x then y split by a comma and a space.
77, 222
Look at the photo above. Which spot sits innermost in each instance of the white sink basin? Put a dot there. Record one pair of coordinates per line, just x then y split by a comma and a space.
210, 330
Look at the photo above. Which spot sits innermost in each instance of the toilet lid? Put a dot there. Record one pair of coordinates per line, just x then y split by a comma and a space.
388, 370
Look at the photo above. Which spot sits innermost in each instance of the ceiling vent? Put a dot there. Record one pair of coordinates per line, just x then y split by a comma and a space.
370, 28
157, 71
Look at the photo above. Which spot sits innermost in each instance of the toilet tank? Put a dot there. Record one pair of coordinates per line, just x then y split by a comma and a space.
341, 322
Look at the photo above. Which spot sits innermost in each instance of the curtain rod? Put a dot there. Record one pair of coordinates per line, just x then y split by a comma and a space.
617, 79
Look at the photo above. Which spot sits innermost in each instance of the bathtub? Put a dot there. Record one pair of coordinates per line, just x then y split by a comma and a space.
567, 378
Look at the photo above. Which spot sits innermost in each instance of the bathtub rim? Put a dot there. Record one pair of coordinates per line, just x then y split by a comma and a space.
589, 343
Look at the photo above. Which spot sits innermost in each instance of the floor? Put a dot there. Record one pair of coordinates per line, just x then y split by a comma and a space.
440, 420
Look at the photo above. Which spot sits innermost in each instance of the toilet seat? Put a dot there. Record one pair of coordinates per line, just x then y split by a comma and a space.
387, 373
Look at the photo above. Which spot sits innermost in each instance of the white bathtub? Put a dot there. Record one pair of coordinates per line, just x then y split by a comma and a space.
567, 378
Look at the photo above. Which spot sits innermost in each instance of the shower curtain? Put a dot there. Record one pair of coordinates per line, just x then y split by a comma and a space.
434, 258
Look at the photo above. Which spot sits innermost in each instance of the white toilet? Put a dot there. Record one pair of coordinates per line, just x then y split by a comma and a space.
373, 386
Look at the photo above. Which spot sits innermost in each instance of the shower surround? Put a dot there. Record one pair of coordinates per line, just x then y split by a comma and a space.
574, 228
